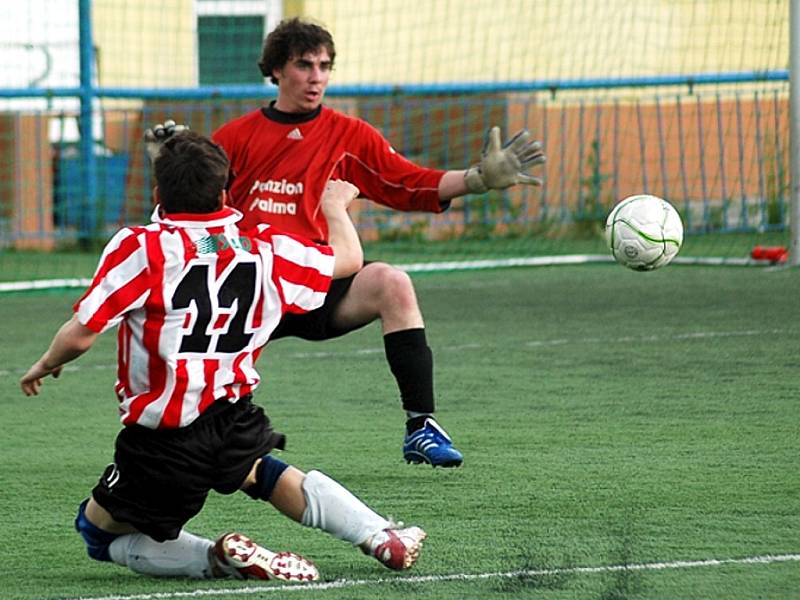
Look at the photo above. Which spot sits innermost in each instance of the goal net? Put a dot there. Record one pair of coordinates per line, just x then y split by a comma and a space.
684, 99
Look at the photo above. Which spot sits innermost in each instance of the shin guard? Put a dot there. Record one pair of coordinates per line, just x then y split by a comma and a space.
335, 510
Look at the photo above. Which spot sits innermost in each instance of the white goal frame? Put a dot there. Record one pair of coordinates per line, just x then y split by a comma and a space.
794, 133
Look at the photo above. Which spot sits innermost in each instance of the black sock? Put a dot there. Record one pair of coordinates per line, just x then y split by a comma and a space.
415, 423
411, 362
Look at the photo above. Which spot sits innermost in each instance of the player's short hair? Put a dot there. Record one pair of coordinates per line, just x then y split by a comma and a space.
191, 172
293, 37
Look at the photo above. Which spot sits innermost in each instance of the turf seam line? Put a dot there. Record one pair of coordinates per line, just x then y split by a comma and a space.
697, 335
348, 583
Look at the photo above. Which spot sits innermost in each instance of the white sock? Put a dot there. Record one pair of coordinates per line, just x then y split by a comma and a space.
185, 556
335, 510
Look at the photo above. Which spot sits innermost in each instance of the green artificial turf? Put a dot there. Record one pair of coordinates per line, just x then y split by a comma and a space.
608, 419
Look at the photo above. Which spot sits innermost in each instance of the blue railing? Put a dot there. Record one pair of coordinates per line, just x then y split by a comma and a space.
434, 89
87, 94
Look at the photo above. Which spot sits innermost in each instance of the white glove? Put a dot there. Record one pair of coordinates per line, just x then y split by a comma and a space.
155, 137
502, 166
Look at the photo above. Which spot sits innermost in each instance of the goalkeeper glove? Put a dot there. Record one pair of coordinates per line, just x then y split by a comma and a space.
501, 166
155, 137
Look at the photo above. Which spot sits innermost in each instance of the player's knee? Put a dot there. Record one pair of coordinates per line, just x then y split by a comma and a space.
97, 540
394, 285
268, 472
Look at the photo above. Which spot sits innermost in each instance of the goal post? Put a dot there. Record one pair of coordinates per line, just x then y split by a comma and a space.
794, 94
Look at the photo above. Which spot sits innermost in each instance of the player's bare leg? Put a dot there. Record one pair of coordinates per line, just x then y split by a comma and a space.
380, 291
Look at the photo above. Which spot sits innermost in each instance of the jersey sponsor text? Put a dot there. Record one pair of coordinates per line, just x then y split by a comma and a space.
277, 187
276, 208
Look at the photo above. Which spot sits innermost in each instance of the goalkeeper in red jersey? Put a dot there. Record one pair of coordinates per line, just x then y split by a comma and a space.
282, 154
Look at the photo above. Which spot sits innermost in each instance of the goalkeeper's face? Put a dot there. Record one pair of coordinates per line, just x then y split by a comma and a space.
302, 81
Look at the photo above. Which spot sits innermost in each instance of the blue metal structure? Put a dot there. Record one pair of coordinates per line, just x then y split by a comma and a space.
87, 94
489, 87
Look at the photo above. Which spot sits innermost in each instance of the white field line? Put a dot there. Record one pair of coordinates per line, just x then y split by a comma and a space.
695, 335
43, 284
351, 583
460, 265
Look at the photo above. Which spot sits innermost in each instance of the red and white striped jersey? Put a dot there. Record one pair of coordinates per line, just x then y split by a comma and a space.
196, 298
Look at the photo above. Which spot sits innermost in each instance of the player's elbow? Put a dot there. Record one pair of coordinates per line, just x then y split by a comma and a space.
81, 345
77, 336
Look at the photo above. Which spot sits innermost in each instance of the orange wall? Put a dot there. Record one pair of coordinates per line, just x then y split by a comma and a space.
27, 180
663, 149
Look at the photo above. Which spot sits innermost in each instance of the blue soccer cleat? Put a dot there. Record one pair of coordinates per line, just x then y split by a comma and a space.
431, 444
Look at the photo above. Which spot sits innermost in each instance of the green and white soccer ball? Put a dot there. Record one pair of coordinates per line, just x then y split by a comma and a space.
644, 232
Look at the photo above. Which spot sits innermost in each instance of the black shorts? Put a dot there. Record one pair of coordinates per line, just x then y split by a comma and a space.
318, 324
160, 478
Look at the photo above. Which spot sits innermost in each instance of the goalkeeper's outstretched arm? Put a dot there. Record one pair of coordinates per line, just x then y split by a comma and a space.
501, 166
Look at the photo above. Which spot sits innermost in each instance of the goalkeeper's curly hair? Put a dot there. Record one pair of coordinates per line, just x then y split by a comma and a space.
293, 37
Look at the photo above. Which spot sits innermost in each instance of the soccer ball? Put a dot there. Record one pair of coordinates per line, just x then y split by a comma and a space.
644, 232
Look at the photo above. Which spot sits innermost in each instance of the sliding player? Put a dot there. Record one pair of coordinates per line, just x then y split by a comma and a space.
196, 298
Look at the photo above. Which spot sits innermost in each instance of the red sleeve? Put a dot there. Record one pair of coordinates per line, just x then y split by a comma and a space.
386, 177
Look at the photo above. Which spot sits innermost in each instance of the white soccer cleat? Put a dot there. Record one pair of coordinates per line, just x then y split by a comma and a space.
240, 557
397, 549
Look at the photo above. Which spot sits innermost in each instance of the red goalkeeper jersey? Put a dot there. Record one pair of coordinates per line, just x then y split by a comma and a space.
280, 163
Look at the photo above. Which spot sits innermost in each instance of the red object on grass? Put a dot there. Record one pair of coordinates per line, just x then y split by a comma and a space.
772, 253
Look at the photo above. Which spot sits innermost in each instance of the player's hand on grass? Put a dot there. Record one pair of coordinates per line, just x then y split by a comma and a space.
31, 382
338, 194
155, 137
502, 165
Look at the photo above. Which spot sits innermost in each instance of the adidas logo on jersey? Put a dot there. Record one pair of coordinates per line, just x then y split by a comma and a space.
294, 134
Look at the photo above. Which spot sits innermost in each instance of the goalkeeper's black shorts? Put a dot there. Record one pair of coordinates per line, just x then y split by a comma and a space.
318, 324
160, 478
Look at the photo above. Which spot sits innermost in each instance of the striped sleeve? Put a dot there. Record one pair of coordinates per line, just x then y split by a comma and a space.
301, 270
120, 284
